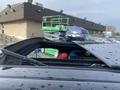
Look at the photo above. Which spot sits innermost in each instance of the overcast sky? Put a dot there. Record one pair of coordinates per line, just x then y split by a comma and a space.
100, 11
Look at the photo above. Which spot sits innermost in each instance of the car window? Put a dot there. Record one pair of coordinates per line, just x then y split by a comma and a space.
44, 53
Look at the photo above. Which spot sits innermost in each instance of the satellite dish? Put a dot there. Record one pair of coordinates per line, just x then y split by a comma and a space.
30, 1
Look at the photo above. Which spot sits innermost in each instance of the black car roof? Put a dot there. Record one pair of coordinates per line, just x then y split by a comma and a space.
109, 53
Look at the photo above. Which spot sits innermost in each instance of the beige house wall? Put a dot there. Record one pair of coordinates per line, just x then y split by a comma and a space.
34, 29
22, 29
0, 28
17, 29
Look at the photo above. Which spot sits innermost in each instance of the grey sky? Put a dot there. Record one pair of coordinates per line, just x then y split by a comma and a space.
104, 11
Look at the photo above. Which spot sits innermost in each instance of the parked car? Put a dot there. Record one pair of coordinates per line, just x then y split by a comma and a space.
90, 70
76, 33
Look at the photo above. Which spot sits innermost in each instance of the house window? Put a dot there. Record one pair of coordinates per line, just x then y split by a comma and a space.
2, 28
2, 31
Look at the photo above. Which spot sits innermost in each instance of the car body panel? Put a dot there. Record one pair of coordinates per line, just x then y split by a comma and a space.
56, 78
45, 77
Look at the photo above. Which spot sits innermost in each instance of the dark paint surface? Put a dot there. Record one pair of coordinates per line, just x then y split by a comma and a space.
56, 78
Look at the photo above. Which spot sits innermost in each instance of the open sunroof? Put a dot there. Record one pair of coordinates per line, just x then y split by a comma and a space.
108, 53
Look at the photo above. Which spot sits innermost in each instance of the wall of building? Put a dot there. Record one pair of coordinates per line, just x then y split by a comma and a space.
34, 29
22, 29
1, 28
111, 29
96, 33
16, 29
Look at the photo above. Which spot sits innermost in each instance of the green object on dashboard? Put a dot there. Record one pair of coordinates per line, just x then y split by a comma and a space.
51, 51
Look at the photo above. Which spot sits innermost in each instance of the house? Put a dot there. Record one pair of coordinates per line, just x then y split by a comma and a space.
23, 20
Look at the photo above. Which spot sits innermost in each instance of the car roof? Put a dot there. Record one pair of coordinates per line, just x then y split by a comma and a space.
105, 52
